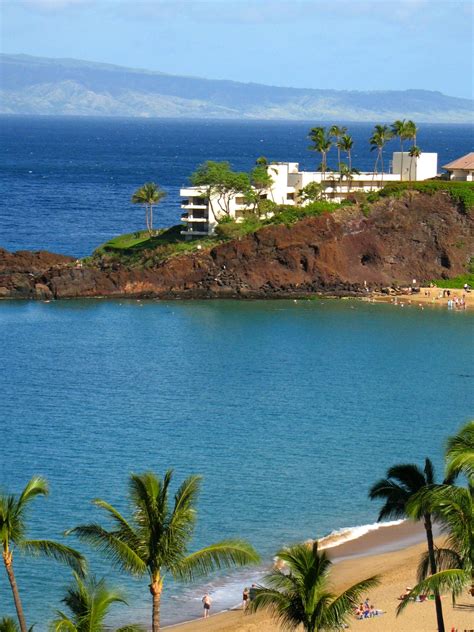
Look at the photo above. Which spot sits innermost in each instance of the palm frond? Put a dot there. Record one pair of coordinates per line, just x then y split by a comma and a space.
224, 554
460, 452
429, 472
395, 498
453, 581
132, 627
280, 606
113, 548
444, 560
7, 624
36, 486
342, 606
63, 624
125, 529
55, 550
410, 476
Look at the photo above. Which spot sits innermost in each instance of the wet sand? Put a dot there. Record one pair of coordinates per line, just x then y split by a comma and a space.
389, 552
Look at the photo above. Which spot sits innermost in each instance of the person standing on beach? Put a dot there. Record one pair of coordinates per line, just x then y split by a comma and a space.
206, 602
245, 599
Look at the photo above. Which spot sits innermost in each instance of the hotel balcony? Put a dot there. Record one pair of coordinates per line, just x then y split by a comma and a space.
186, 217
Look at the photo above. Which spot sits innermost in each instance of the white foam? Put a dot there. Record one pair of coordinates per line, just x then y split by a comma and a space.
337, 537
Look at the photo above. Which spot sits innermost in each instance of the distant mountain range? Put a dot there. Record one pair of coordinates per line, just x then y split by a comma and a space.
37, 85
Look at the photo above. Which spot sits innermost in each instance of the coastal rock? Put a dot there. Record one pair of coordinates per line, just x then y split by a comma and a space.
345, 253
21, 273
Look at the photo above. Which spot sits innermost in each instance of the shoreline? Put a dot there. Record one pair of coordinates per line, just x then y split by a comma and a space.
344, 545
390, 551
427, 297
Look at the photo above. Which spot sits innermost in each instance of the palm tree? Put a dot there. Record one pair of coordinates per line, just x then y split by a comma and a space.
7, 624
453, 508
397, 489
346, 144
89, 601
13, 511
415, 152
402, 130
300, 594
321, 143
378, 140
411, 131
148, 195
338, 132
347, 173
154, 541
460, 453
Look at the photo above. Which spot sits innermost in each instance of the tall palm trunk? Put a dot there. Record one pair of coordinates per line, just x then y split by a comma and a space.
156, 588
401, 161
151, 219
375, 170
7, 558
349, 158
429, 538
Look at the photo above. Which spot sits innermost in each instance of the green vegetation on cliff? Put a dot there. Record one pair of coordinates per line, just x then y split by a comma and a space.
140, 248
460, 192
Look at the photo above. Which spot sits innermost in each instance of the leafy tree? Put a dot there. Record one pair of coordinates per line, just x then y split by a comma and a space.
262, 161
415, 152
154, 541
402, 130
378, 140
453, 508
89, 601
311, 192
338, 132
322, 144
460, 453
220, 184
402, 483
347, 173
346, 144
149, 195
13, 513
300, 595
261, 181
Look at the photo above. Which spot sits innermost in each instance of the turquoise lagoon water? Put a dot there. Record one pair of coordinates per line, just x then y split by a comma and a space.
290, 410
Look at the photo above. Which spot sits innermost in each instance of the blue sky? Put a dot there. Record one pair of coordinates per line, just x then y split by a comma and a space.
341, 44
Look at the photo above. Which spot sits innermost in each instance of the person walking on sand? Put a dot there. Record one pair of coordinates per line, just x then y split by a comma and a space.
206, 602
245, 599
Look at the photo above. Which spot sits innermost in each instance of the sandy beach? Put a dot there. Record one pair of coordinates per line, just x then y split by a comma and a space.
428, 296
397, 569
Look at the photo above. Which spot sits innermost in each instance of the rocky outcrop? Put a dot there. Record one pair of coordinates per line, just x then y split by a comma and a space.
420, 236
23, 274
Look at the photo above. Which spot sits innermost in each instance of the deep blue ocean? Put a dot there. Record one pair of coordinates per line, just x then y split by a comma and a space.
66, 183
290, 410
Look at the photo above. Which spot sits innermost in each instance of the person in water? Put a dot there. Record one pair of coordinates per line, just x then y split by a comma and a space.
206, 602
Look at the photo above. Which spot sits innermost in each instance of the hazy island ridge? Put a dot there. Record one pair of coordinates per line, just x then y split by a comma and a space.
44, 86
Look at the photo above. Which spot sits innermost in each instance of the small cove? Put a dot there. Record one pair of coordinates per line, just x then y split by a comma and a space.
289, 410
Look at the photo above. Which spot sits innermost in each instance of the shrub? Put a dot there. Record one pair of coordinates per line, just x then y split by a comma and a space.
461, 193
290, 214
456, 282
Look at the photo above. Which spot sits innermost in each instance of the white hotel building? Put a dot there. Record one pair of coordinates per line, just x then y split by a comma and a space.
288, 180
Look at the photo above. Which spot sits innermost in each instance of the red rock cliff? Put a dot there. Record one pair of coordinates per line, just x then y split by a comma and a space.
423, 237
